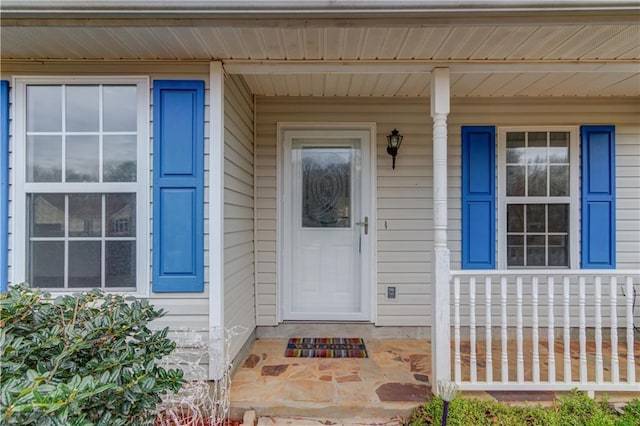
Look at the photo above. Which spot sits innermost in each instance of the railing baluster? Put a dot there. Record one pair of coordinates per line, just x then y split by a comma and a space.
472, 331
488, 343
579, 298
505, 354
550, 331
613, 315
583, 329
520, 355
457, 362
631, 366
534, 333
567, 331
598, 314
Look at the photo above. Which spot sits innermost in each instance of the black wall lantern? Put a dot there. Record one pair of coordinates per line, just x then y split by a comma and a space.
394, 139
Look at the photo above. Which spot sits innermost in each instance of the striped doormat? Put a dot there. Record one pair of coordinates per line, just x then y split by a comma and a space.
326, 347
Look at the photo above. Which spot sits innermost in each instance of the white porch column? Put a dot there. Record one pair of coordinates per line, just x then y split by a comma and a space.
440, 318
216, 221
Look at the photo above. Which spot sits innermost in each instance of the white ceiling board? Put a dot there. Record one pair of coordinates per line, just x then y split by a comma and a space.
375, 40
594, 84
305, 83
622, 42
504, 41
632, 53
541, 85
543, 40
293, 85
414, 83
464, 42
369, 83
467, 83
491, 84
317, 85
626, 87
344, 83
528, 42
583, 41
385, 59
462, 85
515, 85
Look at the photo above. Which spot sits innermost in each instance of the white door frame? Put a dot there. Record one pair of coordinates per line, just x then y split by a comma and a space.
368, 187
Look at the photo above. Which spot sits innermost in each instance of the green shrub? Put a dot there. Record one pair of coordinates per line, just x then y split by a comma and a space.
81, 359
575, 408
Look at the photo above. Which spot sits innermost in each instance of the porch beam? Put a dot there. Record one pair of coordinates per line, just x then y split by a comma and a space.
440, 320
284, 67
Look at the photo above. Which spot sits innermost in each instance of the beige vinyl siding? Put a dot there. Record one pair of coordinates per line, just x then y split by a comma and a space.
404, 196
183, 310
239, 280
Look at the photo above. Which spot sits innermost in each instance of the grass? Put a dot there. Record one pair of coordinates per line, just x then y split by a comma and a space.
573, 409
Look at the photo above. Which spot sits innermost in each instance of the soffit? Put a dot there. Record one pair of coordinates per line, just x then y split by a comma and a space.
433, 44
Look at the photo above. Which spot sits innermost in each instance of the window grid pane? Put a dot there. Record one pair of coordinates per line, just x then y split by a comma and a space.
542, 239
66, 130
75, 224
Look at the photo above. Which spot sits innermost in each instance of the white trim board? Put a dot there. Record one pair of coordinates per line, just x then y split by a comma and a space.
282, 67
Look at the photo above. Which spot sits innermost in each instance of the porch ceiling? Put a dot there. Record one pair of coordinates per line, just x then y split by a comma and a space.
374, 43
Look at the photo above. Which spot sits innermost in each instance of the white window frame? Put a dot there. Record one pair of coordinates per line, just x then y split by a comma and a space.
574, 193
21, 186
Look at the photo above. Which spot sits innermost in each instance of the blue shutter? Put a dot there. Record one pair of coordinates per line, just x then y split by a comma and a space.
598, 214
478, 197
4, 184
178, 186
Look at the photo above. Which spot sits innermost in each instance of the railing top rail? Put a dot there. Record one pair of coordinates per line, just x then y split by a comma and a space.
546, 272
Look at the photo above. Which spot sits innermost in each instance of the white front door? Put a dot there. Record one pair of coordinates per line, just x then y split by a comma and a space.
327, 227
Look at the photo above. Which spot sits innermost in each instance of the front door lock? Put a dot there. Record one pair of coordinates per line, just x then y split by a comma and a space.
364, 223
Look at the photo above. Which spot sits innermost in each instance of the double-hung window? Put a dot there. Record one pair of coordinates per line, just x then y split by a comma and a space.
81, 167
538, 197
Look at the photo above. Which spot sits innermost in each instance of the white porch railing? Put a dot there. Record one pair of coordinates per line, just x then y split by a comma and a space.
557, 330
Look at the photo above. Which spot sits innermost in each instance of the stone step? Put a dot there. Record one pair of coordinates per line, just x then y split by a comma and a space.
329, 410
306, 421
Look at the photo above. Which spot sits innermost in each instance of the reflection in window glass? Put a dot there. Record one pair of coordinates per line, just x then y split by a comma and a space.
84, 264
44, 108
515, 218
120, 264
44, 158
559, 147
120, 109
82, 108
121, 215
85, 215
559, 181
119, 158
46, 264
515, 181
82, 158
46, 215
536, 180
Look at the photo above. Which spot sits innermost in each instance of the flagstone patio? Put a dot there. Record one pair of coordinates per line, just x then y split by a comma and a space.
391, 381
389, 384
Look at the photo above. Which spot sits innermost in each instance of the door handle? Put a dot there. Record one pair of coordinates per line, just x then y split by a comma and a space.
364, 223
